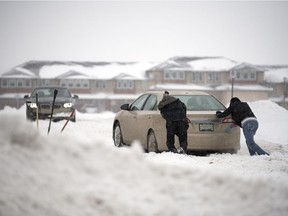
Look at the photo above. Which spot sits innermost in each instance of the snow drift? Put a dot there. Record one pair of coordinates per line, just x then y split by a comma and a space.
80, 172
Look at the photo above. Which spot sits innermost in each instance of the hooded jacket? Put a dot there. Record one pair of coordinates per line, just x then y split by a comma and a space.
238, 110
172, 109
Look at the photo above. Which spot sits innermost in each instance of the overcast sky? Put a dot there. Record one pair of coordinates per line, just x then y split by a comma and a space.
253, 32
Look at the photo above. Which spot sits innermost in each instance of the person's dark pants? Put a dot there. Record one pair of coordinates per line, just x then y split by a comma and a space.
178, 128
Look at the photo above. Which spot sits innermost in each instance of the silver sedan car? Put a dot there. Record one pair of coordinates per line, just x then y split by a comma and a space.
141, 120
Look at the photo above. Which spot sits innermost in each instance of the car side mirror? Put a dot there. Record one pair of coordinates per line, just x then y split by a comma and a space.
124, 107
26, 96
76, 97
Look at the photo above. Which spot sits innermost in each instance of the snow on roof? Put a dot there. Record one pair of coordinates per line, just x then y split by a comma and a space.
108, 71
180, 87
213, 64
168, 64
19, 72
108, 96
124, 76
243, 87
276, 75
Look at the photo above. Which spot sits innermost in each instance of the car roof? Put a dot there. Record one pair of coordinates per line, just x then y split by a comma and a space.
177, 92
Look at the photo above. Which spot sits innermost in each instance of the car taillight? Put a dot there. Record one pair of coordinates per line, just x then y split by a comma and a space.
227, 120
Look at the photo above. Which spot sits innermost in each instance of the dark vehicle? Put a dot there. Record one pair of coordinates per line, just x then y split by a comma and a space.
63, 107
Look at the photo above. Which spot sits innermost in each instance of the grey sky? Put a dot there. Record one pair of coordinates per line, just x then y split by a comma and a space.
253, 32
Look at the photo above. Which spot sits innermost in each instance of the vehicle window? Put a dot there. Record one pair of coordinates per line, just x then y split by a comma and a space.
45, 92
49, 92
138, 103
150, 103
201, 102
63, 93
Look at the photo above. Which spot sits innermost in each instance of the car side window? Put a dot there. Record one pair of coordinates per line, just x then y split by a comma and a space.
138, 103
151, 103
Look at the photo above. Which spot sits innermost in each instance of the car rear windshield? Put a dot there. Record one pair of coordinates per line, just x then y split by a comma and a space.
201, 102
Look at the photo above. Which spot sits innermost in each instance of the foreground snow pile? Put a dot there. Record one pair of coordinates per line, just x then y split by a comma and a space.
80, 172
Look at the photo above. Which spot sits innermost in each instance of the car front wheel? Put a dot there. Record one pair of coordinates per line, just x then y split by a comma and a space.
118, 140
152, 145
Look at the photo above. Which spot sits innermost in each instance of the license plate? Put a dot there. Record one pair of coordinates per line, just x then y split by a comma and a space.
206, 127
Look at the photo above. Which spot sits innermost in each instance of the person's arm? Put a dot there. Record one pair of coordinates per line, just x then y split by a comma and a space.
184, 107
226, 112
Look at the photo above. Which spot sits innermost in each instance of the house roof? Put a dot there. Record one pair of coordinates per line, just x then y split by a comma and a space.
19, 72
134, 70
197, 64
251, 87
79, 70
180, 87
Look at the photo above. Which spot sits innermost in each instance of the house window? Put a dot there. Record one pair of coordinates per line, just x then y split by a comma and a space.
78, 84
63, 83
75, 83
4, 83
213, 77
12, 83
197, 77
253, 75
125, 84
45, 82
238, 76
246, 74
15, 83
27, 83
174, 75
85, 83
70, 83
20, 83
100, 84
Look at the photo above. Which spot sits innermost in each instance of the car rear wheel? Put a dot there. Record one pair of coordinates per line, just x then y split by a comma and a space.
152, 145
118, 140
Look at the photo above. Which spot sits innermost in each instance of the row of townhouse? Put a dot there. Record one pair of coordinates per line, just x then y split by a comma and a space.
104, 86
99, 85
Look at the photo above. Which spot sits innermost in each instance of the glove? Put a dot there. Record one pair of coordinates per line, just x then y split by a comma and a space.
218, 113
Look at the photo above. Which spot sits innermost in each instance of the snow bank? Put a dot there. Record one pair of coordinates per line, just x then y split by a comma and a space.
80, 172
273, 121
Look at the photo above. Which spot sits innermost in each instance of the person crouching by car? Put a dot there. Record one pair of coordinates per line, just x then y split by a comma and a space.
174, 112
244, 117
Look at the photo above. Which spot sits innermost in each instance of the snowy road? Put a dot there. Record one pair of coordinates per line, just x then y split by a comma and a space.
80, 172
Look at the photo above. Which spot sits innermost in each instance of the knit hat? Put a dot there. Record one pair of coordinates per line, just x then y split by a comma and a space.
234, 100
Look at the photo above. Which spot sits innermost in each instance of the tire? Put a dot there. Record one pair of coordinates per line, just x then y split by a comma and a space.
152, 145
117, 136
28, 116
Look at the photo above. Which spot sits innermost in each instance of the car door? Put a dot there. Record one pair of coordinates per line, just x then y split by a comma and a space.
144, 118
130, 127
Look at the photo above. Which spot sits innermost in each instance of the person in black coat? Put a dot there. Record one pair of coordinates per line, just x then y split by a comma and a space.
244, 117
174, 112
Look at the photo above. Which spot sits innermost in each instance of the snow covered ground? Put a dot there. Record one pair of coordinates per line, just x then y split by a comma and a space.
80, 173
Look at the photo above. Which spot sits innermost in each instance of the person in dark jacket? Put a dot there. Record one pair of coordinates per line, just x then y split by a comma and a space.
244, 117
174, 112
